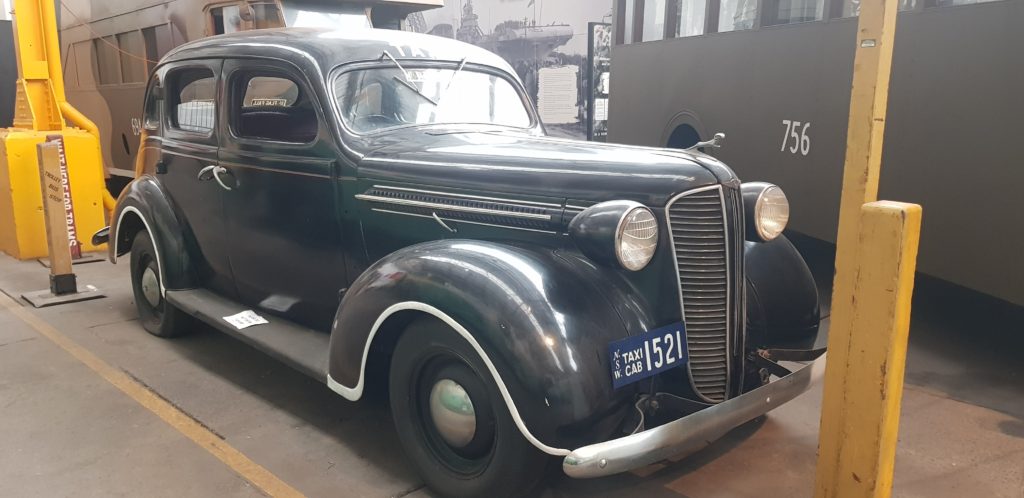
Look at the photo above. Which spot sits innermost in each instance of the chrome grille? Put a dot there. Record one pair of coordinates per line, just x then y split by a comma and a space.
701, 250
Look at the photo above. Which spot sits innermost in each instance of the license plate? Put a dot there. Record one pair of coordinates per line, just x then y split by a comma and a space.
650, 353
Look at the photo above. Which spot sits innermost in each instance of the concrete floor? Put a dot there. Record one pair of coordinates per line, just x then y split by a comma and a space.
68, 432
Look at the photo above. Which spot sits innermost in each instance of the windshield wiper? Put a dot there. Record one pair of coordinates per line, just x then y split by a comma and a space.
405, 75
458, 69
462, 64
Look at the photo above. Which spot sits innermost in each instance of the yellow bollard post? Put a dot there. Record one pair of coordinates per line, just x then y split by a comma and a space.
61, 236
59, 241
869, 97
864, 381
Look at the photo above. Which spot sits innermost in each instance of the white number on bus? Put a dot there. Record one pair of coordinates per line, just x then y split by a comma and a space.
801, 141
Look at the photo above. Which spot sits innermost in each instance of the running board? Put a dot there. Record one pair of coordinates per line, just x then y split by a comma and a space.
300, 347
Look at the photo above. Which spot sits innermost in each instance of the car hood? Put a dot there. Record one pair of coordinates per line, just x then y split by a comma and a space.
540, 166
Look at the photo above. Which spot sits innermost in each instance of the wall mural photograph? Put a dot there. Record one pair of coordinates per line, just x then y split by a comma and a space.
546, 42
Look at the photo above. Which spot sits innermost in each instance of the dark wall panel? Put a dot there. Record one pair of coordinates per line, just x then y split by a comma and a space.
952, 134
8, 74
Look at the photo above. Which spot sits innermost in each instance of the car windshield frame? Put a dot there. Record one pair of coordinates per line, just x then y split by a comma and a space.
452, 65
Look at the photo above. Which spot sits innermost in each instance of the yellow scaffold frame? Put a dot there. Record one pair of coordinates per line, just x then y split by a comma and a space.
42, 110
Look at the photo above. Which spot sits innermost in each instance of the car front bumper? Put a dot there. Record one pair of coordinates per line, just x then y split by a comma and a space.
692, 432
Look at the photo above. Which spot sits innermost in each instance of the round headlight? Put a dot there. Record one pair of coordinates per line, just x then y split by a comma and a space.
771, 212
616, 233
636, 238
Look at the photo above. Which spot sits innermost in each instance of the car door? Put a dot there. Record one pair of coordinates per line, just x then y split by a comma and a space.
189, 146
286, 246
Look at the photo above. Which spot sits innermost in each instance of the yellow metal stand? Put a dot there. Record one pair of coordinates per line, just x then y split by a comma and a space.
41, 109
864, 376
876, 255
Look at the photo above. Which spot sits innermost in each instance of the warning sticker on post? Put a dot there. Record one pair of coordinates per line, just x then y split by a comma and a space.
245, 319
64, 184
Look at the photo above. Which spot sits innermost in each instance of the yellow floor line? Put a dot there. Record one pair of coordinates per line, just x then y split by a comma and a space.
238, 462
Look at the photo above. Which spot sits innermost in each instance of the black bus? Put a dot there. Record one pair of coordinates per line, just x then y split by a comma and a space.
775, 75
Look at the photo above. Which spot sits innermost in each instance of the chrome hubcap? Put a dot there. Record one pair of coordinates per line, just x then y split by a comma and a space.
151, 286
452, 412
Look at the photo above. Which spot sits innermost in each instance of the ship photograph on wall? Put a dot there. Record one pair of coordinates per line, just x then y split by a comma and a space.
546, 43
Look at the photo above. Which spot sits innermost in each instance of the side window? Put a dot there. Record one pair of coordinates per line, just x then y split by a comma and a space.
735, 15
84, 64
271, 107
227, 19
654, 20
943, 3
108, 62
191, 100
266, 15
851, 8
158, 42
791, 11
627, 24
691, 18
133, 57
151, 113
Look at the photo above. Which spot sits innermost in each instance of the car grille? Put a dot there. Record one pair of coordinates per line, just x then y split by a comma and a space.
700, 245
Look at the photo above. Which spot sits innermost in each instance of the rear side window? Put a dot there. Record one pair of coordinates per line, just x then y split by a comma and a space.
192, 92
151, 114
272, 107
270, 91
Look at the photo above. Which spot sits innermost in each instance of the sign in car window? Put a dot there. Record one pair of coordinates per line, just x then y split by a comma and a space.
650, 353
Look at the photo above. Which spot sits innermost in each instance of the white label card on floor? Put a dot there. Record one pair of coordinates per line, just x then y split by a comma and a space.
247, 318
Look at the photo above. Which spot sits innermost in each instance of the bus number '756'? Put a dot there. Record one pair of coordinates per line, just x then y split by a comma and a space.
796, 131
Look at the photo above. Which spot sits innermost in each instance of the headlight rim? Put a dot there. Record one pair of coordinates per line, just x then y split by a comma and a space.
753, 210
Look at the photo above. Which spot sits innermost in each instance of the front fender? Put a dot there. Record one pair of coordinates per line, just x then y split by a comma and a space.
144, 205
782, 298
542, 325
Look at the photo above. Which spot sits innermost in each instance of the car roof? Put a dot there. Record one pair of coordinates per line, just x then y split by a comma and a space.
327, 48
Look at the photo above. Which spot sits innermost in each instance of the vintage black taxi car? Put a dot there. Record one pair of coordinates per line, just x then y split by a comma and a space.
384, 211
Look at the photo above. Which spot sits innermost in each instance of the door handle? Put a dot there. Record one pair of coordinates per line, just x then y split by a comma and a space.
213, 172
206, 174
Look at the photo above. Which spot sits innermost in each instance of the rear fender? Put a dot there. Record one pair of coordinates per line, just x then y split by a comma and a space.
144, 205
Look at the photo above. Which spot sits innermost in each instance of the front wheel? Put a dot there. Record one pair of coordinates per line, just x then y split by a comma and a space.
452, 420
158, 317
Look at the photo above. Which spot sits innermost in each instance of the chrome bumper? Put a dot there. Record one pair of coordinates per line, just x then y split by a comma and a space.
691, 433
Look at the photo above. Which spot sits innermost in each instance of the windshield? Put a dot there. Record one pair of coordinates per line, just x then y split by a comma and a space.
389, 97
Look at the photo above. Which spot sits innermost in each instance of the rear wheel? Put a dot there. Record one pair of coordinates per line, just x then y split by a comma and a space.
452, 420
158, 317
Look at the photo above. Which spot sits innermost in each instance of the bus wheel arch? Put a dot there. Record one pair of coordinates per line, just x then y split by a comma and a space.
683, 131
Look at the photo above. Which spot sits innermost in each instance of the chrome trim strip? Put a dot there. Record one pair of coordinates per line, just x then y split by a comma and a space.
156, 247
122, 172
468, 196
728, 282
693, 432
182, 154
449, 207
354, 393
272, 170
380, 210
524, 169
